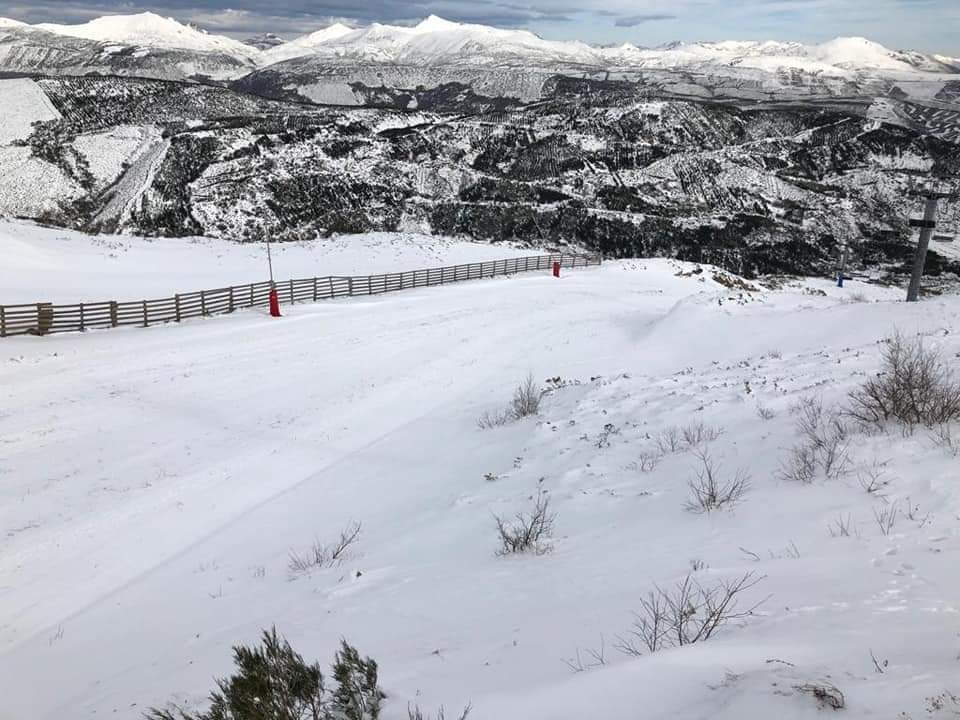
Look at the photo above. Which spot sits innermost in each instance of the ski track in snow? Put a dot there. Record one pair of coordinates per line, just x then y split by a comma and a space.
155, 481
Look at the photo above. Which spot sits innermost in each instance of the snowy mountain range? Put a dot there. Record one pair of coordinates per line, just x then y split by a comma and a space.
434, 42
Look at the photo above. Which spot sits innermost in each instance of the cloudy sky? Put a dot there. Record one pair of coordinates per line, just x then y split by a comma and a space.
931, 25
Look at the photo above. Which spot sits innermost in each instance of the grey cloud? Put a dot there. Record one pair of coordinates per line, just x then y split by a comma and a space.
634, 20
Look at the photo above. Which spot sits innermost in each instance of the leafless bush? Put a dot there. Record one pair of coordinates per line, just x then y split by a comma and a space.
765, 413
823, 443
914, 387
697, 434
686, 613
801, 465
494, 419
324, 555
872, 478
647, 461
526, 398
842, 527
827, 695
589, 659
668, 440
527, 532
415, 713
826, 433
709, 491
526, 402
886, 517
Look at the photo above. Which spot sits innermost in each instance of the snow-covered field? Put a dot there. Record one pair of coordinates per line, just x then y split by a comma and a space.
48, 264
154, 483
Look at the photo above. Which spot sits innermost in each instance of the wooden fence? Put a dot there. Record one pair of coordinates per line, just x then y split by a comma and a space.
43, 318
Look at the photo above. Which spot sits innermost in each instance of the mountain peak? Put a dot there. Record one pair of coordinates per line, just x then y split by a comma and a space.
151, 30
435, 23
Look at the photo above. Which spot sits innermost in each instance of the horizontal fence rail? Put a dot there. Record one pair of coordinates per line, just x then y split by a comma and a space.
44, 318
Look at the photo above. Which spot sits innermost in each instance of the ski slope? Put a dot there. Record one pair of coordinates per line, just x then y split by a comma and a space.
155, 482
52, 265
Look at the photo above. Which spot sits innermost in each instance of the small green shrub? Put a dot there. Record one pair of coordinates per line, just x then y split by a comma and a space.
273, 682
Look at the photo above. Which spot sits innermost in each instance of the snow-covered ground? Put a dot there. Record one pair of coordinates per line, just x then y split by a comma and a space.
47, 264
154, 482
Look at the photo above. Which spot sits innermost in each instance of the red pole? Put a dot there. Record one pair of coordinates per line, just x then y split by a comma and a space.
274, 303
556, 269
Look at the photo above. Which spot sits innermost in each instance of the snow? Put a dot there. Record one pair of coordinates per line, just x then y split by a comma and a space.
23, 103
307, 43
152, 30
120, 267
30, 187
155, 481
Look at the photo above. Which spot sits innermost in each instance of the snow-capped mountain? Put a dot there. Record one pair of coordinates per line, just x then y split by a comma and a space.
839, 57
151, 30
433, 43
143, 45
307, 44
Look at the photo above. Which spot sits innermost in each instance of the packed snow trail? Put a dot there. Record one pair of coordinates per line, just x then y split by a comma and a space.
158, 479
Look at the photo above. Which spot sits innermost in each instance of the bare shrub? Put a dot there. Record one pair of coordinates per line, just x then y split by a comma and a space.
914, 387
669, 441
526, 398
526, 402
494, 419
826, 433
827, 695
647, 461
697, 434
886, 517
527, 532
801, 465
842, 527
709, 491
415, 713
872, 478
824, 440
765, 413
686, 613
589, 659
324, 555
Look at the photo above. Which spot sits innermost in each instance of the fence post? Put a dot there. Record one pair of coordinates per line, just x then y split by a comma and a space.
291, 291
314, 288
203, 302
330, 282
82, 319
3, 321
350, 286
230, 307
44, 317
146, 319
176, 302
113, 313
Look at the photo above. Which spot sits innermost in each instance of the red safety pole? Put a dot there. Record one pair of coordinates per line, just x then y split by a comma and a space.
274, 297
556, 269
274, 303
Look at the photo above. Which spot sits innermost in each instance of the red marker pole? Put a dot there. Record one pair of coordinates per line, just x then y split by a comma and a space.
274, 297
556, 269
